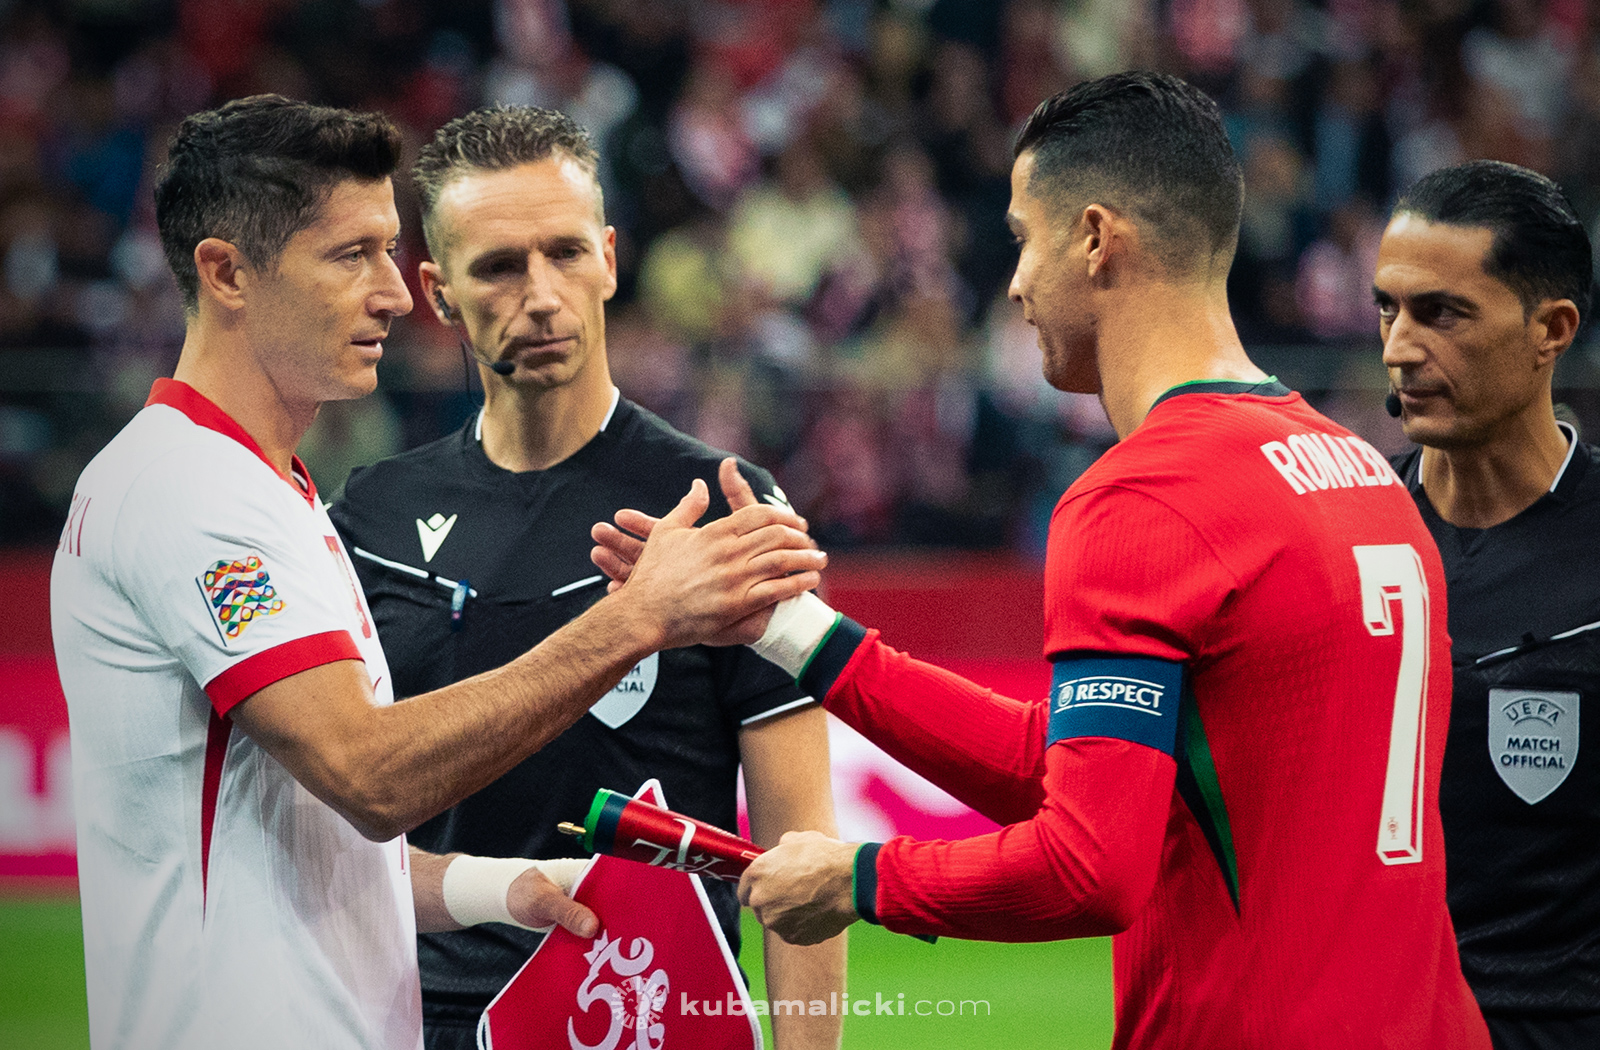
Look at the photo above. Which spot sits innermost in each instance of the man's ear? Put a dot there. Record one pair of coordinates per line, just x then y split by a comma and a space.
1100, 234
431, 277
1555, 325
608, 251
221, 268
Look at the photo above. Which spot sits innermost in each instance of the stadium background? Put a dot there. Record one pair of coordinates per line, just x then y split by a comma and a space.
808, 196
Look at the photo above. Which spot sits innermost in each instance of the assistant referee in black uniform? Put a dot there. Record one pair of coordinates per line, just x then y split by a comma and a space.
474, 547
1483, 276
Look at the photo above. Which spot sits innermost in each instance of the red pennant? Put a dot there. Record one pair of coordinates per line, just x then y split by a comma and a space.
657, 976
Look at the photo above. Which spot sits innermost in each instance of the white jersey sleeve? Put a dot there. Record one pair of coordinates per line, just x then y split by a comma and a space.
240, 599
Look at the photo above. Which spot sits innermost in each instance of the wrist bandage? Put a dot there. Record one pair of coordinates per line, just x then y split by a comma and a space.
476, 888
798, 626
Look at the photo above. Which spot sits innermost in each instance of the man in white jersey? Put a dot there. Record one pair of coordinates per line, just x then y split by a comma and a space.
242, 776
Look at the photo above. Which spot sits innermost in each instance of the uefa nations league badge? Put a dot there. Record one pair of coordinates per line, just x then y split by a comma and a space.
1533, 739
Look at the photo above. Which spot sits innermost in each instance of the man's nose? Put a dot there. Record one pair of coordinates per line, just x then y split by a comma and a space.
1402, 344
392, 298
540, 296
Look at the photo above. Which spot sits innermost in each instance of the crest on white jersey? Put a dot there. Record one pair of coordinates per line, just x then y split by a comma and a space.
432, 533
1533, 739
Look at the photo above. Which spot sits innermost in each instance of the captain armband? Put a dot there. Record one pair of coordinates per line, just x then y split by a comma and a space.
1133, 698
798, 627
476, 888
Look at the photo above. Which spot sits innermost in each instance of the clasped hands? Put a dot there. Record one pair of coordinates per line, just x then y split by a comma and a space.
800, 889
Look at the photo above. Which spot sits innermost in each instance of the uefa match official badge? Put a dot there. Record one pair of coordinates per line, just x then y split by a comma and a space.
238, 592
628, 696
1533, 739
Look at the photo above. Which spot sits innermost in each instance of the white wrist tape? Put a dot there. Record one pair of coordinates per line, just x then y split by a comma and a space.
798, 627
476, 888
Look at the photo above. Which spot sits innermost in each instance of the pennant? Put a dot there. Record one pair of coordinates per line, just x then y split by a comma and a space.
658, 974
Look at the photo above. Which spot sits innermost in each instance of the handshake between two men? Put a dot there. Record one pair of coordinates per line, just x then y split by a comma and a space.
804, 888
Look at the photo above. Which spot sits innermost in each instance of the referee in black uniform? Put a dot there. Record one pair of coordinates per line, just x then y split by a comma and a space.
1483, 276
474, 547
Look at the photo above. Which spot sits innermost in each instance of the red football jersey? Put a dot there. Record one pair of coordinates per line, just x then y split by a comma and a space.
1277, 869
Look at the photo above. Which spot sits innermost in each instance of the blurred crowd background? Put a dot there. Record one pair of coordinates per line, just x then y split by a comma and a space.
808, 196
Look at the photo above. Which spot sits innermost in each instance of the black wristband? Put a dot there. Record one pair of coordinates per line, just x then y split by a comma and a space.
827, 663
864, 882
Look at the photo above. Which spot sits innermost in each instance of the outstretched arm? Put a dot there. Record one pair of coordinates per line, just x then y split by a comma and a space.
1083, 866
386, 769
985, 749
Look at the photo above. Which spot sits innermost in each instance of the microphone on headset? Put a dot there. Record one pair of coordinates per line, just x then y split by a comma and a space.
1391, 404
499, 368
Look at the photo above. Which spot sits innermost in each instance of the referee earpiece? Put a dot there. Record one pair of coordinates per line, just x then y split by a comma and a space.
499, 368
444, 307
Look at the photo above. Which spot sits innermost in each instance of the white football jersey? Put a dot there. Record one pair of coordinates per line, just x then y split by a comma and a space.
223, 904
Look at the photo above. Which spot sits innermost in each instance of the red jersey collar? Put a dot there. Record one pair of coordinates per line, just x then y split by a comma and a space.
202, 411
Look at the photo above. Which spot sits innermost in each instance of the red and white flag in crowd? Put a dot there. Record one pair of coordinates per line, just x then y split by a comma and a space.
658, 974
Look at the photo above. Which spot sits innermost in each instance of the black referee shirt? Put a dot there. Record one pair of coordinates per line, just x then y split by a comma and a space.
1520, 795
467, 566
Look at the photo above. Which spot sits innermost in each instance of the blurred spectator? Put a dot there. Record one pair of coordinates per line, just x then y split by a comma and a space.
684, 279
1350, 140
1334, 283
789, 233
1526, 59
1272, 232
708, 138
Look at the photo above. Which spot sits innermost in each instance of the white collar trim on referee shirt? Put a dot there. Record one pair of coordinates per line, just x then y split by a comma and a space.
1572, 446
616, 395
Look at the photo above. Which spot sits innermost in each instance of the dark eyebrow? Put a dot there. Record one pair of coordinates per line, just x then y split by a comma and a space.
1432, 298
481, 264
361, 242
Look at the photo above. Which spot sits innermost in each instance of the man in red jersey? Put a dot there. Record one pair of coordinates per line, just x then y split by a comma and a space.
1236, 770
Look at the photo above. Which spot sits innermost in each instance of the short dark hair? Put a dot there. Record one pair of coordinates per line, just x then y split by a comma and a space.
495, 138
1148, 144
256, 171
1540, 248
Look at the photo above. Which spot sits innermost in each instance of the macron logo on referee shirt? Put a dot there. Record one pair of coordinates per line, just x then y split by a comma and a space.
431, 534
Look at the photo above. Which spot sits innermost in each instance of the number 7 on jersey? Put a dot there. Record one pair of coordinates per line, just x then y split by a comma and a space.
1393, 573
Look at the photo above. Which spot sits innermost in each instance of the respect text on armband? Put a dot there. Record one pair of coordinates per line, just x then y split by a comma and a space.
1131, 698
1134, 693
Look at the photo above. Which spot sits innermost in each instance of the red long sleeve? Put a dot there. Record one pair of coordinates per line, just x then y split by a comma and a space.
985, 749
1086, 817
1082, 866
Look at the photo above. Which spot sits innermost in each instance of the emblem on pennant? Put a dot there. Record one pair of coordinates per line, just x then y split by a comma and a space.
1533, 739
